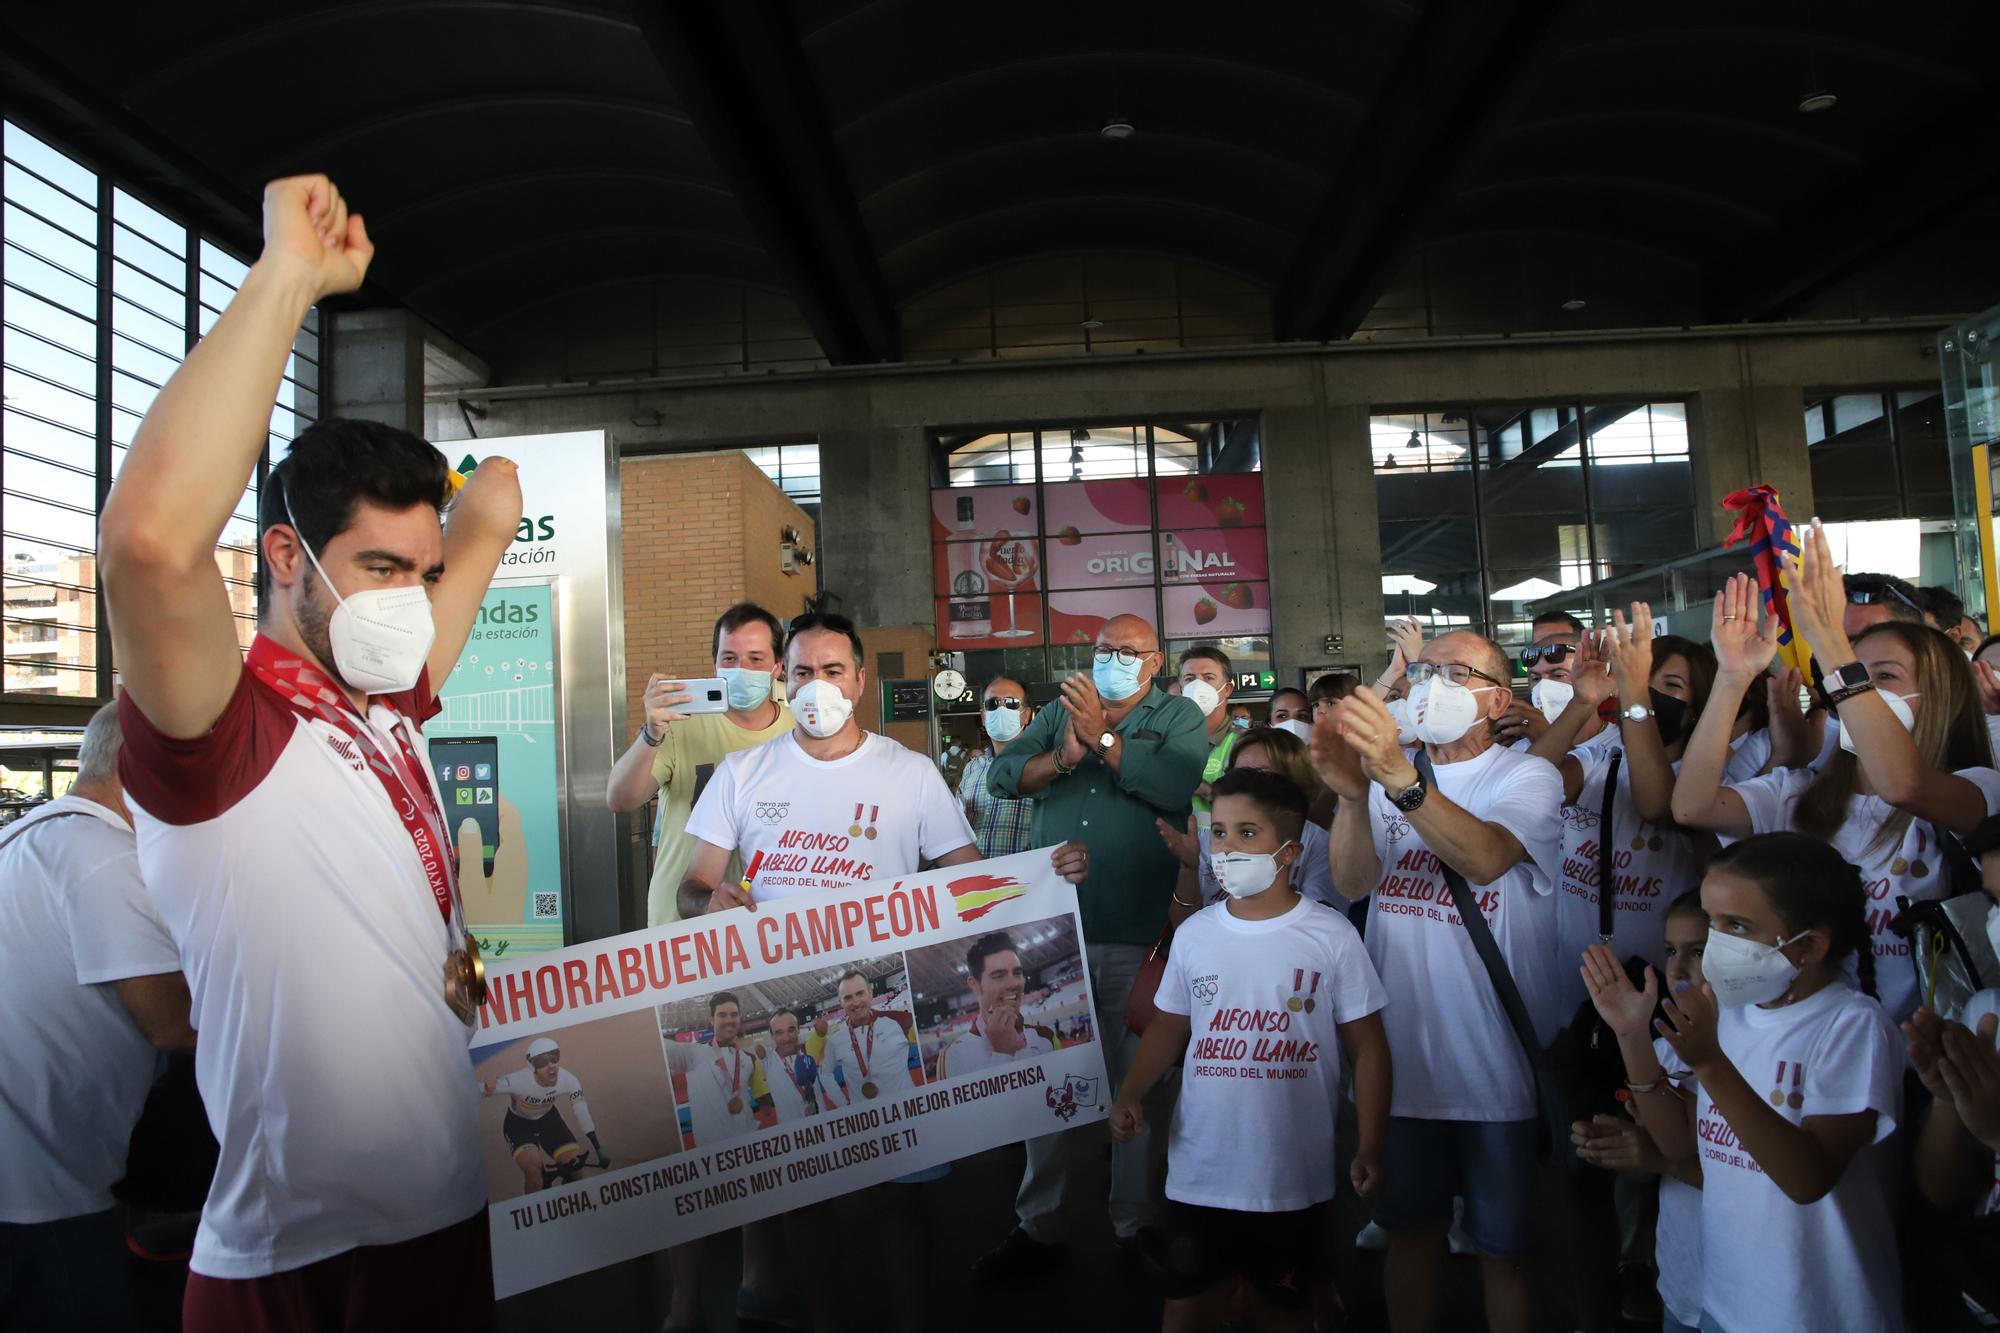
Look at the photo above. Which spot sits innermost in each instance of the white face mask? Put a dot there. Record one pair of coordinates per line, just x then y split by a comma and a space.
1442, 711
1899, 704
1745, 972
1399, 709
1551, 696
821, 708
1298, 727
1245, 874
1204, 695
381, 637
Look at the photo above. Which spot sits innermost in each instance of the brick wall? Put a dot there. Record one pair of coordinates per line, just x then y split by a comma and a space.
700, 533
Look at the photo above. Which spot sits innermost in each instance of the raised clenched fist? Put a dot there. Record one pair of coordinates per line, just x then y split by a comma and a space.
309, 233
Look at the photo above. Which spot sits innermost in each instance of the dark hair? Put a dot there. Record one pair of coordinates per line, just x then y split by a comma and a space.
1688, 904
828, 622
856, 973
1700, 659
722, 997
1810, 886
1273, 793
1207, 653
333, 466
984, 948
1563, 618
748, 613
1333, 685
1900, 597
1284, 690
1942, 605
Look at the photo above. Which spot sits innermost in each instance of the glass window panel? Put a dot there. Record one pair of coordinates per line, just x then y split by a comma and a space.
984, 460
46, 162
142, 362
50, 401
1420, 442
1852, 483
27, 232
48, 440
1860, 417
1644, 536
75, 293
1425, 494
1643, 483
225, 267
1542, 480
163, 266
34, 476
135, 287
24, 311
1084, 453
165, 336
75, 371
155, 226
131, 394
75, 216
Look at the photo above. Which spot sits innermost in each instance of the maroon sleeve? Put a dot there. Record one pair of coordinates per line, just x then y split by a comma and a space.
417, 703
190, 781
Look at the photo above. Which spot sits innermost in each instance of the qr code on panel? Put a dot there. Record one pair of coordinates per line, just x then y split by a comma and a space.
545, 907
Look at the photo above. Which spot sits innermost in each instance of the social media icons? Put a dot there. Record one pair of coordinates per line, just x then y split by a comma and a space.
482, 772
465, 772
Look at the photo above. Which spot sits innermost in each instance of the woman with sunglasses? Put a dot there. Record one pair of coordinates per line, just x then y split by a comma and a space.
1000, 823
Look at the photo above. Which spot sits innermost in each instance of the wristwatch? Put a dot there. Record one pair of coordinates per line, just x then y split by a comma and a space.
1106, 742
1410, 797
1637, 713
1842, 685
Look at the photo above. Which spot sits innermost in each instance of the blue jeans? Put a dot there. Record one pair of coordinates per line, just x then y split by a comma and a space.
1490, 1163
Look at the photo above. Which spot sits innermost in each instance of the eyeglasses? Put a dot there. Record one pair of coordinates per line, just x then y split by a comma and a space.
544, 1061
1456, 672
1876, 596
1552, 653
992, 704
1125, 656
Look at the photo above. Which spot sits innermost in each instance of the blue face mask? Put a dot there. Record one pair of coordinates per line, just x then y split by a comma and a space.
748, 687
1114, 679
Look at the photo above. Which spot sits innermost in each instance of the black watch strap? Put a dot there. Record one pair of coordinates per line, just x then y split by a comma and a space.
1410, 797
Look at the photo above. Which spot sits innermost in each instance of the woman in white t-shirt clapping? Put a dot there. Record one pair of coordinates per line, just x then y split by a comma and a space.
1913, 755
1799, 1078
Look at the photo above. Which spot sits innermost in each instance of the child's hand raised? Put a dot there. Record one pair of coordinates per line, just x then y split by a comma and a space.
1689, 1027
1625, 1009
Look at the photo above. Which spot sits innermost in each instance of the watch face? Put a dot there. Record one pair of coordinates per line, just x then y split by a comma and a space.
1107, 740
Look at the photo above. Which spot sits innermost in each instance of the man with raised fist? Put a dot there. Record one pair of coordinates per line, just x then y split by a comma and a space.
289, 831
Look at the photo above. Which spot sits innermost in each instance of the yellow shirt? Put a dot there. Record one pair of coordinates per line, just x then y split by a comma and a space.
681, 767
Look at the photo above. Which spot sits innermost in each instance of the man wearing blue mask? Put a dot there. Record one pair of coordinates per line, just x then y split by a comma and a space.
1003, 824
675, 752
1115, 755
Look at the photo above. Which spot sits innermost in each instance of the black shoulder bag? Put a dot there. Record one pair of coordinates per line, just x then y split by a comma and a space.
1548, 1099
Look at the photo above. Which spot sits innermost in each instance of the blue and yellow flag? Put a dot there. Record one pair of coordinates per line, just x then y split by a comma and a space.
1761, 518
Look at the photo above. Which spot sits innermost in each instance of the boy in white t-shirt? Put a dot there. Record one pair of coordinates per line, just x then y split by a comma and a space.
1277, 985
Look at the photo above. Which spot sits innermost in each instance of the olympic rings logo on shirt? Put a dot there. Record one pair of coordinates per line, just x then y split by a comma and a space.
1205, 988
771, 812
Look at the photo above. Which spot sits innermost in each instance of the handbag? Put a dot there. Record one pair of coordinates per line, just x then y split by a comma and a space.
1549, 1109
1139, 1008
1947, 936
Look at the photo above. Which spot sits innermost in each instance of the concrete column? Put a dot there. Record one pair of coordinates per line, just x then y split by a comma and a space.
1326, 557
1741, 437
875, 523
377, 368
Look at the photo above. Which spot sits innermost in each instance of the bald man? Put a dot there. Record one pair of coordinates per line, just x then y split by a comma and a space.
1114, 754
1462, 1116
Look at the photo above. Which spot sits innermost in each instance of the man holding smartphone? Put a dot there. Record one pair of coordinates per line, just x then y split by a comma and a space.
677, 748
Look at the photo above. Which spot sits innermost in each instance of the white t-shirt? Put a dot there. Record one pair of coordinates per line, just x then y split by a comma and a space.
1312, 873
1455, 1056
313, 948
1677, 1237
829, 824
1993, 733
1654, 864
1253, 1129
531, 1101
793, 1083
970, 1052
717, 1077
1748, 754
1913, 868
1769, 1263
879, 1054
74, 917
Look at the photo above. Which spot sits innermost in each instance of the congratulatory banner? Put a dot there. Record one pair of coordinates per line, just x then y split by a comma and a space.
741, 1065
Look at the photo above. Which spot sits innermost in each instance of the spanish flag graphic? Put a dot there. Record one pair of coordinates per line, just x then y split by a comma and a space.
976, 895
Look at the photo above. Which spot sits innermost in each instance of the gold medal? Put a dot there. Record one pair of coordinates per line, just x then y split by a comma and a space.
736, 1106
465, 980
869, 1089
1777, 1097
1638, 844
1899, 866
854, 830
1295, 1004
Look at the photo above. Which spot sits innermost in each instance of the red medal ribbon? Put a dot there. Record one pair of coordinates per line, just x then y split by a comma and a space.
736, 1084
309, 692
855, 1042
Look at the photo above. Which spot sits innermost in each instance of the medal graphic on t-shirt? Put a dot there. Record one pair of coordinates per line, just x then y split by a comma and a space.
1796, 1098
1918, 868
1307, 1001
855, 830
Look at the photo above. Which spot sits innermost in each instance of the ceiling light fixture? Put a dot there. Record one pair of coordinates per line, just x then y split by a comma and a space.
1092, 324
1574, 303
1819, 101
1118, 128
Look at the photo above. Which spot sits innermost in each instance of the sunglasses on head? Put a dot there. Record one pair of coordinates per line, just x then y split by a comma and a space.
992, 704
1552, 653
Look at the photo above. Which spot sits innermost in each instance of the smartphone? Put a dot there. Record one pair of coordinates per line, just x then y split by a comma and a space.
468, 769
708, 695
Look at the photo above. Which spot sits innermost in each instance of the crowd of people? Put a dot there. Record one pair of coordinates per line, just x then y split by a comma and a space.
1628, 974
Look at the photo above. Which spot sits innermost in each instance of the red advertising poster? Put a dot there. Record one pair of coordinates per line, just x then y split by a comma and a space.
998, 565
1119, 560
1075, 617
1084, 507
1203, 611
964, 513
1218, 555
1230, 500
995, 620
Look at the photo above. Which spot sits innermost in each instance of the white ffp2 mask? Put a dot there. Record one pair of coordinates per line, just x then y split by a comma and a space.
1203, 695
1551, 697
1742, 971
1442, 711
1245, 874
1899, 704
821, 708
380, 637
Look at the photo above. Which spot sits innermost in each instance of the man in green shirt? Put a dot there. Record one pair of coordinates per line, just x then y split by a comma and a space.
1111, 756
1206, 680
675, 752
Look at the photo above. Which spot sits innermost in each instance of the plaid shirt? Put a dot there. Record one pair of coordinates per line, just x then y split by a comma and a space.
1000, 823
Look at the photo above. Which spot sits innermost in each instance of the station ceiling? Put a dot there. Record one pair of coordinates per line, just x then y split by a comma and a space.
1376, 168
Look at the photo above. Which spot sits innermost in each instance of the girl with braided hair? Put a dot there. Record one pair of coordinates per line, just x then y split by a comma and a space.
1798, 1078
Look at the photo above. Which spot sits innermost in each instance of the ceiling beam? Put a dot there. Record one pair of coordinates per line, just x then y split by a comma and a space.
739, 70
1466, 68
1914, 184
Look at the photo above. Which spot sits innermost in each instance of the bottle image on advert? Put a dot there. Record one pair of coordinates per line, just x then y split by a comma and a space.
971, 614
